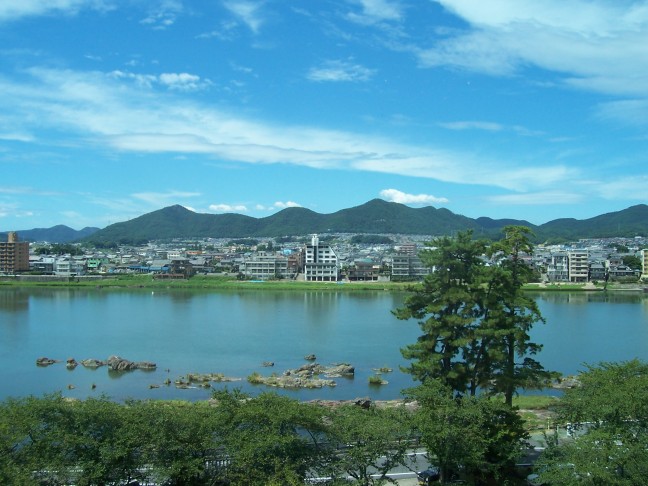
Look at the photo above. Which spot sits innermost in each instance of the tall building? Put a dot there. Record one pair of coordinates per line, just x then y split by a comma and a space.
578, 266
320, 262
14, 255
644, 264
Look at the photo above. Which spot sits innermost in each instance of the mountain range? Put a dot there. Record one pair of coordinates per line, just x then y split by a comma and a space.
56, 234
374, 217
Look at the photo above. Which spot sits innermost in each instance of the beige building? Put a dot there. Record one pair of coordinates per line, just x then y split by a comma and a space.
644, 264
14, 255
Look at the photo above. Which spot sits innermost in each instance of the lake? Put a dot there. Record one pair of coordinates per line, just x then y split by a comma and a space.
234, 332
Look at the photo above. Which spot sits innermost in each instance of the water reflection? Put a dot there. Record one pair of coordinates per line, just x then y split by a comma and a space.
14, 300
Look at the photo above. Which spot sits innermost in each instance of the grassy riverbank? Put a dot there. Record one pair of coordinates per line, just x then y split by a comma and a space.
201, 282
222, 282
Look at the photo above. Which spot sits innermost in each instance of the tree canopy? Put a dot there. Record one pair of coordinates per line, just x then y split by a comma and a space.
608, 413
474, 317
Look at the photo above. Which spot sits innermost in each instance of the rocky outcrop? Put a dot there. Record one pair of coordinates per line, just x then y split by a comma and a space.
312, 369
306, 376
118, 363
92, 363
43, 361
290, 381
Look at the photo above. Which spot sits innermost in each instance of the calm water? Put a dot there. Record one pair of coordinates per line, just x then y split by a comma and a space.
235, 332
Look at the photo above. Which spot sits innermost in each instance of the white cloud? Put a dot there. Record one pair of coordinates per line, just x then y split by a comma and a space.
182, 81
161, 199
287, 204
17, 137
599, 45
376, 11
247, 11
635, 187
340, 71
472, 125
102, 109
15, 9
13, 211
228, 208
163, 14
633, 111
537, 198
173, 81
394, 195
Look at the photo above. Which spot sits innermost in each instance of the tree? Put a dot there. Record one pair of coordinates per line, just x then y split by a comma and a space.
632, 261
180, 441
448, 306
368, 442
270, 439
510, 314
475, 318
609, 411
472, 436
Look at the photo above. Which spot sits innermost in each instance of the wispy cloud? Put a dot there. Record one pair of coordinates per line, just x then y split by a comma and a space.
12, 210
394, 195
15, 9
473, 125
249, 12
101, 108
372, 11
17, 137
160, 199
488, 127
174, 81
287, 204
337, 71
228, 208
597, 45
162, 13
537, 198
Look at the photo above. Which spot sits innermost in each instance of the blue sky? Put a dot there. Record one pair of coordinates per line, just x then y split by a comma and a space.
110, 109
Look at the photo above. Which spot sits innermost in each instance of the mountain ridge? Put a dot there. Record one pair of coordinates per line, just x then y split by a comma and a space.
375, 216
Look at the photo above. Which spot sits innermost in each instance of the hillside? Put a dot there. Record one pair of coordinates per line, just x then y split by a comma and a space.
55, 234
374, 217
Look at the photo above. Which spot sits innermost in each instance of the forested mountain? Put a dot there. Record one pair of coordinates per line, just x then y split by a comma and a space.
55, 234
374, 217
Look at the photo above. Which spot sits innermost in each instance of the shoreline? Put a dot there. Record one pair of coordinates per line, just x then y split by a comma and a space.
218, 282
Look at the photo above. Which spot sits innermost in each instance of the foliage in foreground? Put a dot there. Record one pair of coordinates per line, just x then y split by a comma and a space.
236, 439
609, 413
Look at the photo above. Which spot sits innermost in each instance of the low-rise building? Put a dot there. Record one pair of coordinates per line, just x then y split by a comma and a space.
267, 266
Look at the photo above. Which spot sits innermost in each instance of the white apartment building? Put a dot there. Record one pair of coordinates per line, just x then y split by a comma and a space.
265, 266
320, 262
558, 268
578, 265
644, 263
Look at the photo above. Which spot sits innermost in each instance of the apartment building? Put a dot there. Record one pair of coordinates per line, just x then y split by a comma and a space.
265, 266
14, 255
578, 265
558, 267
320, 262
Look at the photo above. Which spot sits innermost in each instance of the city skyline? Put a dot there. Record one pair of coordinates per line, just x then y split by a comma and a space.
503, 109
